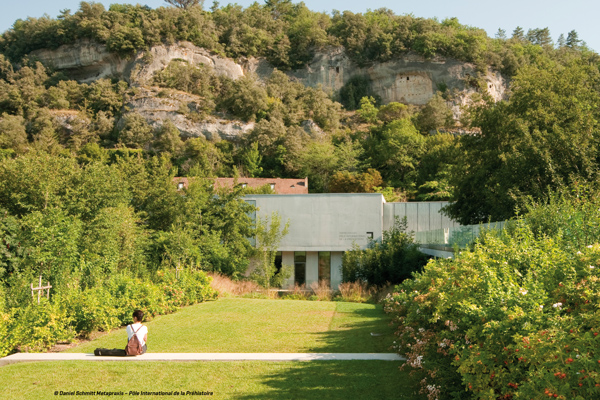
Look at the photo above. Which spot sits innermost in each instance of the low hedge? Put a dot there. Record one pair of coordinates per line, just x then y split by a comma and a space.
78, 312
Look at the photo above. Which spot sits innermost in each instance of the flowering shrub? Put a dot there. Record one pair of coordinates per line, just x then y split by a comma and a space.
515, 318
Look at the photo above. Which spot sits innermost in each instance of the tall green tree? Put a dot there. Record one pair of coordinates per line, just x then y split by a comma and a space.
269, 233
544, 138
394, 150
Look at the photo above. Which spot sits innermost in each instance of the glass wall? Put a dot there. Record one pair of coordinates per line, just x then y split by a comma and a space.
300, 268
325, 266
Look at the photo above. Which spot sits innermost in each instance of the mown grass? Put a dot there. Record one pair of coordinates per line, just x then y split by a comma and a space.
319, 380
235, 325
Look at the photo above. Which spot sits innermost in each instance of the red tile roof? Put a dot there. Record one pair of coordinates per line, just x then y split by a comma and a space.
279, 185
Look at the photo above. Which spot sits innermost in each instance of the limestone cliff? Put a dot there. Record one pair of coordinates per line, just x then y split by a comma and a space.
87, 61
179, 107
409, 79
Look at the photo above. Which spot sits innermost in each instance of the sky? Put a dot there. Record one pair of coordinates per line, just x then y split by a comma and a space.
558, 16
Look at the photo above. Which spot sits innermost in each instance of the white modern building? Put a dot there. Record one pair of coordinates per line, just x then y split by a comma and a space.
323, 226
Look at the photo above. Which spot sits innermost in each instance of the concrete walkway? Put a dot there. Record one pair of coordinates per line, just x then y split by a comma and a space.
22, 357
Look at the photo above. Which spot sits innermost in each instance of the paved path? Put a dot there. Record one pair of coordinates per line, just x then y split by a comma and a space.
20, 357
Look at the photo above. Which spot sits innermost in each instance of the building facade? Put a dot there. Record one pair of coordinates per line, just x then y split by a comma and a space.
323, 226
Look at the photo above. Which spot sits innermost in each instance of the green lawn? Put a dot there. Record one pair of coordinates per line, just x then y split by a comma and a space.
318, 380
237, 325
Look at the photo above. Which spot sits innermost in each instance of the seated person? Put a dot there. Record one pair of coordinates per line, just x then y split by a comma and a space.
137, 329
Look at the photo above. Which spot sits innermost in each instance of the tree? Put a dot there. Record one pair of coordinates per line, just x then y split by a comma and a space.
393, 111
251, 159
392, 260
115, 238
539, 36
436, 114
395, 150
573, 40
136, 133
544, 138
518, 34
348, 182
168, 138
185, 4
354, 90
368, 110
269, 234
318, 161
246, 99
433, 179
12, 133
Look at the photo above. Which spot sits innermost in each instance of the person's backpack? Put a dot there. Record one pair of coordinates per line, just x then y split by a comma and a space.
134, 346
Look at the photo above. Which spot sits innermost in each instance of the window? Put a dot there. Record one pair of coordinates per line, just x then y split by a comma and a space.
272, 186
180, 186
300, 268
324, 266
278, 262
244, 185
370, 235
337, 70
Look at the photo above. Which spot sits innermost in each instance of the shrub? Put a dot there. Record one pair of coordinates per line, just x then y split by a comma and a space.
37, 327
225, 286
298, 292
91, 309
513, 318
392, 260
357, 292
108, 305
322, 290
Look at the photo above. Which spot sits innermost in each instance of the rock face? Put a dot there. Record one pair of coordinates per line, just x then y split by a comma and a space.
87, 61
179, 107
158, 57
84, 61
410, 79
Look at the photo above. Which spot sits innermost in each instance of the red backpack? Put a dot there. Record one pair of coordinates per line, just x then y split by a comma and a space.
134, 347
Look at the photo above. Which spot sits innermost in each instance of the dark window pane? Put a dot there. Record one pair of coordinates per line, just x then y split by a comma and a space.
278, 262
300, 268
324, 266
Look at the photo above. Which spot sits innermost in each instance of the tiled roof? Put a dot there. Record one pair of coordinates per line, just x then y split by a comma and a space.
279, 185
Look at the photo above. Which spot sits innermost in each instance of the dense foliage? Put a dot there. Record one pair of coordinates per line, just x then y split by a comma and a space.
103, 233
300, 131
287, 34
516, 317
545, 137
392, 260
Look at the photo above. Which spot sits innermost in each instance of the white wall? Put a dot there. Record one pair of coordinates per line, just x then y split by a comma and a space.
324, 222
